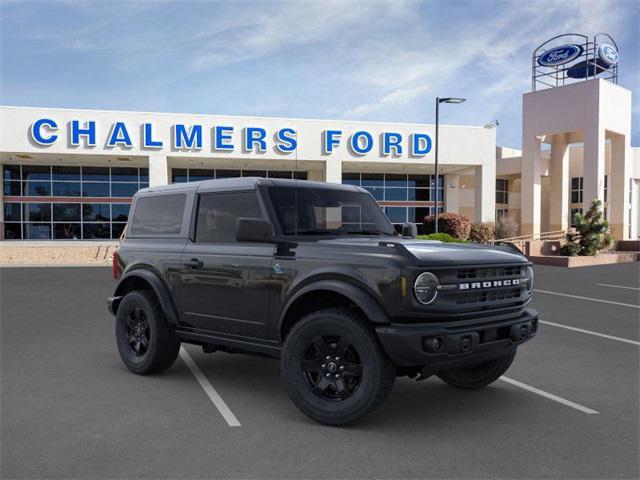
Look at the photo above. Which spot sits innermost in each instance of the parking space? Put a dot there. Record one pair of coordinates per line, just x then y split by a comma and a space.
70, 408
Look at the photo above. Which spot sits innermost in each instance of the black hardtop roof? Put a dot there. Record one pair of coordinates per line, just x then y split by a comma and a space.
244, 183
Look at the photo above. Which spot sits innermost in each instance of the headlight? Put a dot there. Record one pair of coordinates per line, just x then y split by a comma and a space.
529, 279
426, 288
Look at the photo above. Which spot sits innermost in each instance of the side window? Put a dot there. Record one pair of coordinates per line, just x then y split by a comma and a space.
218, 212
158, 215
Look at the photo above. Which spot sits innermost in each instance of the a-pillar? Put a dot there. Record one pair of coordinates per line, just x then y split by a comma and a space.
618, 188
531, 186
593, 167
485, 192
452, 195
158, 170
559, 205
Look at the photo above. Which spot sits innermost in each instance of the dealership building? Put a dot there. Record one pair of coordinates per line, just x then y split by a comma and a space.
70, 174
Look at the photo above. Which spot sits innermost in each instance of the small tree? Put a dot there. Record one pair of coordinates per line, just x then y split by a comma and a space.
592, 233
454, 224
484, 232
506, 228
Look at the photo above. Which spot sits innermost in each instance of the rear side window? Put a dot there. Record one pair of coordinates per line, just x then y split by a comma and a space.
218, 212
158, 215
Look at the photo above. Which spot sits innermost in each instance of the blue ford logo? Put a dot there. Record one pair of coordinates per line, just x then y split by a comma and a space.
608, 54
560, 55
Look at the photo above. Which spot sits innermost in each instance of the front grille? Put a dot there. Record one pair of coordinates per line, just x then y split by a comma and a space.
489, 296
492, 272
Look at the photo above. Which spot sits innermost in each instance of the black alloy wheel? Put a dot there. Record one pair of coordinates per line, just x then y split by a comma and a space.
138, 332
332, 367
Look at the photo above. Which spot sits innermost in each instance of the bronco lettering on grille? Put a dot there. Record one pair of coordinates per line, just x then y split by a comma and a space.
489, 284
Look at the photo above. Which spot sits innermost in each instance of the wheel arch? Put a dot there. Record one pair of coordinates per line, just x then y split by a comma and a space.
339, 293
143, 279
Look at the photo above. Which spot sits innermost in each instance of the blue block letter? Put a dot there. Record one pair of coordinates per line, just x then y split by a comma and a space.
330, 140
36, 131
221, 137
255, 135
89, 131
147, 138
392, 140
421, 144
184, 139
355, 142
286, 140
119, 136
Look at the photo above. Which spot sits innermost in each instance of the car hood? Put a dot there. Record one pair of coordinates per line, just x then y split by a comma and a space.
436, 253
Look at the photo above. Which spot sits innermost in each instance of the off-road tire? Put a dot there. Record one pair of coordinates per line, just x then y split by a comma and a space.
377, 373
480, 375
162, 343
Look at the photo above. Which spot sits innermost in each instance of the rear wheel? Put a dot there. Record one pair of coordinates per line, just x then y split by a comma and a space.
480, 375
146, 342
334, 368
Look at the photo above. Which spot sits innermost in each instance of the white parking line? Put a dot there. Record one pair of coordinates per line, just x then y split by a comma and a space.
588, 298
617, 286
590, 332
550, 396
211, 392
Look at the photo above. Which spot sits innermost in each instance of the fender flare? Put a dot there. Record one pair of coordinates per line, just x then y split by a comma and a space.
159, 288
364, 300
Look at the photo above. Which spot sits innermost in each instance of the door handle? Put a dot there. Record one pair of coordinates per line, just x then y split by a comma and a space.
193, 263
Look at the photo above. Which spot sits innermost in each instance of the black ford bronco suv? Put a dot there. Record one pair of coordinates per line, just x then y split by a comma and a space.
314, 274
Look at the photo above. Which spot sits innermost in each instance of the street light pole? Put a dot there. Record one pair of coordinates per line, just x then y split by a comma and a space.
436, 162
438, 102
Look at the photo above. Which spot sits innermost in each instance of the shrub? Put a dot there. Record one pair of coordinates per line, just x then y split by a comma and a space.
506, 228
443, 237
453, 224
482, 232
592, 233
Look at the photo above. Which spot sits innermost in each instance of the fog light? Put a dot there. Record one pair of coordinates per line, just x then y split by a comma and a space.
433, 344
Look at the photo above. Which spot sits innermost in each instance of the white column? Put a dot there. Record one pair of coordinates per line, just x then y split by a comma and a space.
559, 204
618, 188
452, 195
593, 167
531, 188
158, 170
485, 192
333, 170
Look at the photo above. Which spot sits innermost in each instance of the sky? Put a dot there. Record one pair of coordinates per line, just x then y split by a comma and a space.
344, 60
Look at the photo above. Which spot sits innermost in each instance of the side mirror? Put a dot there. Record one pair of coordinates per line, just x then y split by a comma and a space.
409, 230
253, 230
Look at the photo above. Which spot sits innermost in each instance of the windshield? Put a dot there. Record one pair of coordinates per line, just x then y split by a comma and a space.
324, 211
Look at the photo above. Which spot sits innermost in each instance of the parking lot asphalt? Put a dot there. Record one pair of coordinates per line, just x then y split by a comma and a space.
70, 409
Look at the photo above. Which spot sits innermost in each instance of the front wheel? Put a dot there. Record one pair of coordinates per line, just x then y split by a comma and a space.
480, 375
334, 368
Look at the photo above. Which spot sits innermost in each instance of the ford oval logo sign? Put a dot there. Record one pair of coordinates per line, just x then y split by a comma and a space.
608, 54
560, 55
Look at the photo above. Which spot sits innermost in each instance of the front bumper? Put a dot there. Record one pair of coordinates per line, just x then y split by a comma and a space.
451, 345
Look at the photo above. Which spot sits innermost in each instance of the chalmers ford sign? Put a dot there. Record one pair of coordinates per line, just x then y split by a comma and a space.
221, 138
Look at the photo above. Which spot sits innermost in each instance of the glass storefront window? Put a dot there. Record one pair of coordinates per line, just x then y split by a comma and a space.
12, 212
120, 212
123, 189
96, 231
69, 231
12, 189
66, 212
124, 174
11, 172
66, 173
95, 189
13, 231
179, 175
37, 189
36, 172
37, 231
95, 174
66, 189
37, 212
95, 212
